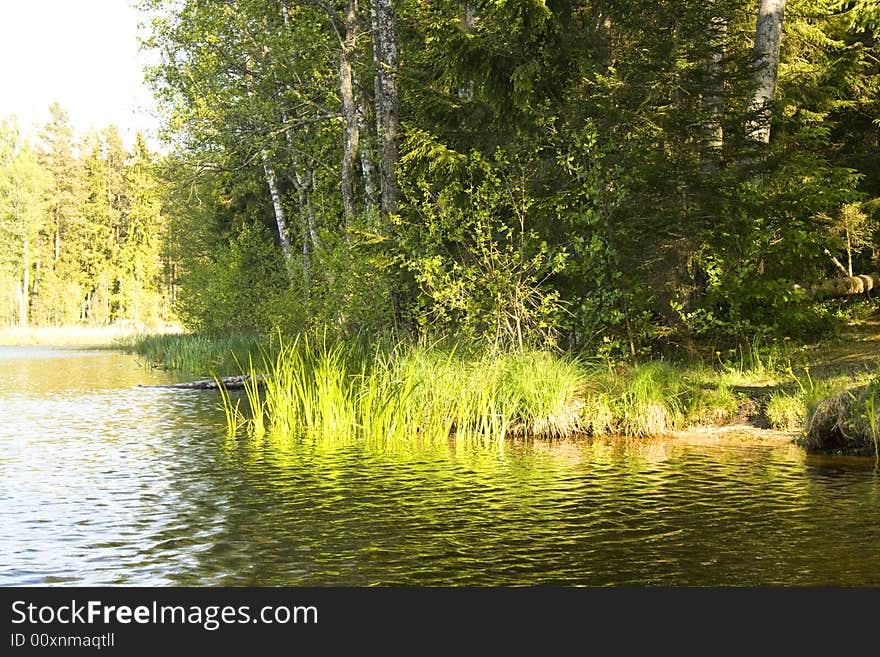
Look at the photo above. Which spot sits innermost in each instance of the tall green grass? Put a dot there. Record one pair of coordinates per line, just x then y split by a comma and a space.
312, 387
790, 408
315, 388
652, 398
197, 354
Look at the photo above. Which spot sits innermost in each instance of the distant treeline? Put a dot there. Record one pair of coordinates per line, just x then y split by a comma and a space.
81, 229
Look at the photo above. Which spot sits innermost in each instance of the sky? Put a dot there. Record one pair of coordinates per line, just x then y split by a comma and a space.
82, 53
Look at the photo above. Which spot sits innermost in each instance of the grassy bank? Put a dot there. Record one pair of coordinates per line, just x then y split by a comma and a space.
382, 391
404, 391
311, 386
846, 422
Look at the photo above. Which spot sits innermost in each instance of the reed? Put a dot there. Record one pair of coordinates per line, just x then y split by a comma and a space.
380, 393
390, 392
234, 417
196, 354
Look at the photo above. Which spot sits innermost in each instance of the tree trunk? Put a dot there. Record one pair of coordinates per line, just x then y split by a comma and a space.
306, 229
368, 161
466, 16
280, 217
768, 37
849, 252
387, 99
24, 299
349, 112
300, 178
601, 34
238, 382
57, 235
713, 98
845, 286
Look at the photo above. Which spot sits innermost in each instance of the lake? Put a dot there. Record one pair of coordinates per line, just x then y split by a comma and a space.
104, 482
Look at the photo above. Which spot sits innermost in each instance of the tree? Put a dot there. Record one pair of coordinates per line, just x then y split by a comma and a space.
141, 247
605, 141
24, 187
768, 37
387, 98
64, 281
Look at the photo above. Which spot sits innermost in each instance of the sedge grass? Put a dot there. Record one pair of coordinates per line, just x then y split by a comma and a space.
196, 354
326, 390
381, 393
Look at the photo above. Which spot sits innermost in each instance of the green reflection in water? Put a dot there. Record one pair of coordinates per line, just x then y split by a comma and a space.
104, 482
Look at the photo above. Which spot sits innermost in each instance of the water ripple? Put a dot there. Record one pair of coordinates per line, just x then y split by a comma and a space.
103, 482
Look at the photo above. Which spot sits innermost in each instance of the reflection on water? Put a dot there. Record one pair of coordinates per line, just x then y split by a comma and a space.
104, 482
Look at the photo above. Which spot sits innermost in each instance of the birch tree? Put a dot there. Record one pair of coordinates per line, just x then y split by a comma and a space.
768, 38
385, 57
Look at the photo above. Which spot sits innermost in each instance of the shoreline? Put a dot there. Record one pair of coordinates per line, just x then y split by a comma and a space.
739, 433
76, 335
742, 404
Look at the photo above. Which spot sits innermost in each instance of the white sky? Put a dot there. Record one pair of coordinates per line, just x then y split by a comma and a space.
82, 53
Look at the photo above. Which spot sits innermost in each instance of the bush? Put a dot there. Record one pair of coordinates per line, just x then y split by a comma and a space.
242, 287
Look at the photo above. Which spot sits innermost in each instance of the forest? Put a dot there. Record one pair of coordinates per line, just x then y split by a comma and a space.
82, 231
625, 180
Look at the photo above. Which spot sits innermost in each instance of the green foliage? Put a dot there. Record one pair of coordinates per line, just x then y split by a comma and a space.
241, 287
566, 177
480, 264
351, 290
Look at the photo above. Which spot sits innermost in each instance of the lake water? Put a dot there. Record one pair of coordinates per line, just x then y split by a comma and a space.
103, 482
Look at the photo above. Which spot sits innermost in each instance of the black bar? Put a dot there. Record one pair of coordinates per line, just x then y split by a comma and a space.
112, 620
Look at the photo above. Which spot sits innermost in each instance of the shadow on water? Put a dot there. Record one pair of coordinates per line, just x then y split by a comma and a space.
105, 482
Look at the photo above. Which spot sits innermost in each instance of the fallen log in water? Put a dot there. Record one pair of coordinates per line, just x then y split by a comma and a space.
228, 382
845, 286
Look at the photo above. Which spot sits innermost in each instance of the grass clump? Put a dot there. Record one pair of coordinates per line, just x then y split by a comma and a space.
786, 411
315, 388
196, 354
845, 422
396, 392
651, 399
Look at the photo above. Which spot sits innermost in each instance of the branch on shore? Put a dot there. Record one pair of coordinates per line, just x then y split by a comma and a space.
228, 382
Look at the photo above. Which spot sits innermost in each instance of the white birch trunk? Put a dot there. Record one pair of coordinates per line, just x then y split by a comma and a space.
768, 37
351, 132
280, 217
368, 162
713, 94
466, 15
387, 99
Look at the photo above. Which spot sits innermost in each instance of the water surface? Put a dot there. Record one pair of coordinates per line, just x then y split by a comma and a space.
103, 482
